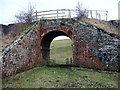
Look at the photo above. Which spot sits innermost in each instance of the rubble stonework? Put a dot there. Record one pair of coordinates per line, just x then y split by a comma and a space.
92, 47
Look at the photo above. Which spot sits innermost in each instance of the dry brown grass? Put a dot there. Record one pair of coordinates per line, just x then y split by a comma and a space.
105, 25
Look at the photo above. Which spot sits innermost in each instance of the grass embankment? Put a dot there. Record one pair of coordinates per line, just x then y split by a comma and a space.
105, 25
13, 35
62, 76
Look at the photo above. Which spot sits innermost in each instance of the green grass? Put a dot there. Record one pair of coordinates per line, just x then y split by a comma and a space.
62, 76
61, 50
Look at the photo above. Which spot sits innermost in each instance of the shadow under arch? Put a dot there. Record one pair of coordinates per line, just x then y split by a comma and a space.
46, 41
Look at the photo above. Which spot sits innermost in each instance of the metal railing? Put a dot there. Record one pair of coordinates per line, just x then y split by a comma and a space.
70, 13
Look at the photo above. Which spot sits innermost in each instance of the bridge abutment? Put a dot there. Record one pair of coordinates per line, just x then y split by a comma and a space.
92, 47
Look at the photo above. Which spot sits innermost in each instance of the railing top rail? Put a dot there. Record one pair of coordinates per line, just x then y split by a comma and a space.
52, 10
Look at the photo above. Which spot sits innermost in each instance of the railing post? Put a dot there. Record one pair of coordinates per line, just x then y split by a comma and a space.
96, 14
91, 13
57, 13
69, 15
99, 16
36, 15
106, 15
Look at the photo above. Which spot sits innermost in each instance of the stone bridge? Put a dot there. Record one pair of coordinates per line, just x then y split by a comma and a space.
92, 47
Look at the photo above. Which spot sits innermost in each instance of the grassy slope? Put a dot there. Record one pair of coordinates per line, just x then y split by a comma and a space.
66, 77
105, 25
6, 40
62, 77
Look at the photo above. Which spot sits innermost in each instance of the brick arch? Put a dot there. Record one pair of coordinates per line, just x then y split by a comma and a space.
84, 53
45, 38
82, 56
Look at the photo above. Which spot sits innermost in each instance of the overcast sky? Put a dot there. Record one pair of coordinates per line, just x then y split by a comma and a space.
8, 8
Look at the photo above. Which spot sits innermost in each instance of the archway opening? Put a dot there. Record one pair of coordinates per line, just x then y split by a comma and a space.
53, 51
61, 51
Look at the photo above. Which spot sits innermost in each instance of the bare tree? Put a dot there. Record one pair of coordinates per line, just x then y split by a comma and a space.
20, 17
26, 16
29, 15
81, 11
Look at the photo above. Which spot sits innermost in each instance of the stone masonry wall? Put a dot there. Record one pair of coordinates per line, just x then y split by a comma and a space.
21, 54
92, 47
100, 49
